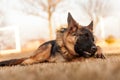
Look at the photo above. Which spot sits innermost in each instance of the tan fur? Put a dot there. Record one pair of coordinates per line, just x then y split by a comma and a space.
41, 54
62, 40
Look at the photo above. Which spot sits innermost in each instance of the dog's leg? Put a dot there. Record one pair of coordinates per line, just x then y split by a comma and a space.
41, 55
99, 53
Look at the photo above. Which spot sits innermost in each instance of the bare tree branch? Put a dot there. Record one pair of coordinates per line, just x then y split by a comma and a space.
43, 5
37, 7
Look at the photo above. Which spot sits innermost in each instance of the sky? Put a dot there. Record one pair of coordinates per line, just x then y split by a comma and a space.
13, 13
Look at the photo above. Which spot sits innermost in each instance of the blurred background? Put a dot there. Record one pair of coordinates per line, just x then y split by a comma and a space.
25, 24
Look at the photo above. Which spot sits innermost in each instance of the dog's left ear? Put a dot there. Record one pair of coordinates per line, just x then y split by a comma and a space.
90, 26
72, 24
70, 20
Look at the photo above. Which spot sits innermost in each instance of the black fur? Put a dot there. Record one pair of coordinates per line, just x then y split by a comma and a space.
84, 42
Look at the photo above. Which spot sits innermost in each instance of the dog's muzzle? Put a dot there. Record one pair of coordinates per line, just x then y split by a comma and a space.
86, 53
90, 53
93, 49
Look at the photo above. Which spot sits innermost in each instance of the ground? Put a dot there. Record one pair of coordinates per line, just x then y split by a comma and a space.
89, 69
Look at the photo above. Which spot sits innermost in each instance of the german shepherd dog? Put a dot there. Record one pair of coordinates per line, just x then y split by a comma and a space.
71, 43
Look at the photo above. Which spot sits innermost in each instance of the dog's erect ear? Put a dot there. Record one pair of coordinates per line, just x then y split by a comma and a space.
90, 26
72, 24
70, 20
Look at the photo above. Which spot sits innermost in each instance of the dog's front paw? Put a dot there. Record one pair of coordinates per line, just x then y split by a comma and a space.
99, 55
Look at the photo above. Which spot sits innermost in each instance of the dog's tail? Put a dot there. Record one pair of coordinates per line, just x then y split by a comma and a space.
12, 62
40, 55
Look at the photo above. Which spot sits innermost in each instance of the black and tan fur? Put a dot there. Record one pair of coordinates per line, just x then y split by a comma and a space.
71, 43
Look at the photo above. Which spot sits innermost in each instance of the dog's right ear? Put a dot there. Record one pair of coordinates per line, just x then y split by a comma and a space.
90, 26
72, 24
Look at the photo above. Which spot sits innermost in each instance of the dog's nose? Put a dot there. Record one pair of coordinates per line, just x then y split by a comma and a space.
94, 48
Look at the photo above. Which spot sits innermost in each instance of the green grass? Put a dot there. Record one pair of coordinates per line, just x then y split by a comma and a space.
90, 69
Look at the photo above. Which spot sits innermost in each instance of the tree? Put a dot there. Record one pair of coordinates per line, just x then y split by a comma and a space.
2, 16
98, 10
37, 7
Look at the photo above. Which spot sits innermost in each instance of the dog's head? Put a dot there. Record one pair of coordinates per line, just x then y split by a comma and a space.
79, 40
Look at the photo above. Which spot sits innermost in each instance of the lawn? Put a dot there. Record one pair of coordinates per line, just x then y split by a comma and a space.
89, 69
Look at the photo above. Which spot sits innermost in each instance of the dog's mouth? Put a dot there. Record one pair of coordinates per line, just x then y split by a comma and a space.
85, 53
